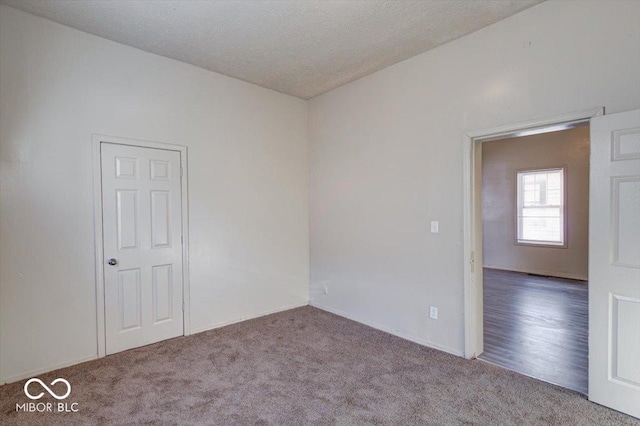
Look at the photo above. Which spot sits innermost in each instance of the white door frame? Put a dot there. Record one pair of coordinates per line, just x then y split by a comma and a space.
97, 229
472, 219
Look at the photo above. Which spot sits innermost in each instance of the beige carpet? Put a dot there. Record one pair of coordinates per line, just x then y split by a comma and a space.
303, 366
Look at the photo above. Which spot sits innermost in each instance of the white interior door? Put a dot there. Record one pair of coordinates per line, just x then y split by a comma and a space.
142, 222
614, 262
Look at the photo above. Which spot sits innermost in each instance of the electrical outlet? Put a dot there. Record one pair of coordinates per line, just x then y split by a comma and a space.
433, 312
434, 226
325, 289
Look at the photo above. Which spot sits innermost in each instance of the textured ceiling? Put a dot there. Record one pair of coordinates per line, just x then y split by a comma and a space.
303, 48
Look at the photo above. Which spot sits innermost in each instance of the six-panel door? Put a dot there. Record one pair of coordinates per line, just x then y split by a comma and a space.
142, 222
614, 262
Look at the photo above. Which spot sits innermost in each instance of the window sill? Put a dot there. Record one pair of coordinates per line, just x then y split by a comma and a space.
543, 245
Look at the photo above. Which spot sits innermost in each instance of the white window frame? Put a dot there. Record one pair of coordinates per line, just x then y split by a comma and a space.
563, 208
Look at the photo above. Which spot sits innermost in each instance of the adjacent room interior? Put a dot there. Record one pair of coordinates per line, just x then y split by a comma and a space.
345, 212
535, 217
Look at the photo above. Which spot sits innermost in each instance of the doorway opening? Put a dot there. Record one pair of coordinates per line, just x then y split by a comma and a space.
614, 246
526, 292
535, 234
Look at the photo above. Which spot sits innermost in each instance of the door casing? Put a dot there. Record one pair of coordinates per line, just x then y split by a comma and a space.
472, 212
98, 236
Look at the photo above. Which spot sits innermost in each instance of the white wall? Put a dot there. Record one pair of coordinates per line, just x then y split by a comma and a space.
248, 185
501, 160
386, 154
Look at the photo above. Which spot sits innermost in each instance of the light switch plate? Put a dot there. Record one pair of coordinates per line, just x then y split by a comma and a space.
434, 226
433, 312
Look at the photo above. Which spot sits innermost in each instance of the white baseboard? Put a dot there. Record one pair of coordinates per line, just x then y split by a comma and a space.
32, 373
381, 327
542, 272
241, 319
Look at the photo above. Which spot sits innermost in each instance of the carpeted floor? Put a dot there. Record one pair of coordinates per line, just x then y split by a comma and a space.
302, 366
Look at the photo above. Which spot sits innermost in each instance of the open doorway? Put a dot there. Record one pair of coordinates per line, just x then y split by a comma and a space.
614, 248
535, 233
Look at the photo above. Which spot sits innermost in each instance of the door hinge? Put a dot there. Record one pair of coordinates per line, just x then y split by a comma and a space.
181, 239
182, 306
472, 260
180, 171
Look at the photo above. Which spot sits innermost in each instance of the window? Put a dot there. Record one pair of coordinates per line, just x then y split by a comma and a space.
541, 211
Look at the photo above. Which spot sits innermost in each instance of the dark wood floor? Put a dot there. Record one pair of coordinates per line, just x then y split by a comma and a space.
537, 326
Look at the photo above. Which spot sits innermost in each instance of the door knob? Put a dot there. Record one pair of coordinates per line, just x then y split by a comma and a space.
112, 262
